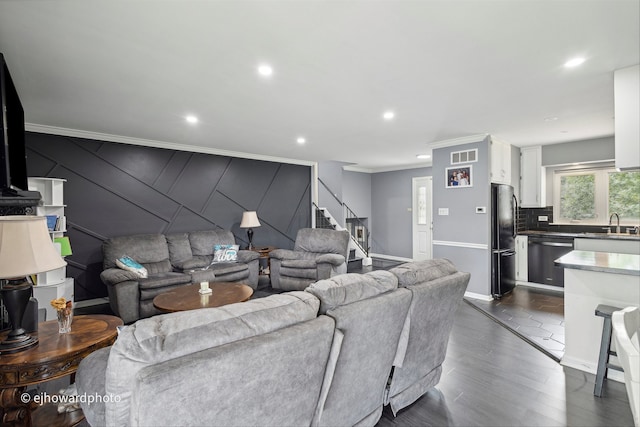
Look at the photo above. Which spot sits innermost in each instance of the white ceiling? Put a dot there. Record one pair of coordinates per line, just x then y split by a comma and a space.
448, 69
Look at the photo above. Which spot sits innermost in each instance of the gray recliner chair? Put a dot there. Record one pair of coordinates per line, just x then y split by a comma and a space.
318, 254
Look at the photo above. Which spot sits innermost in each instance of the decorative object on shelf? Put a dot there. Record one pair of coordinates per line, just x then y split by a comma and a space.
249, 220
65, 314
25, 249
65, 245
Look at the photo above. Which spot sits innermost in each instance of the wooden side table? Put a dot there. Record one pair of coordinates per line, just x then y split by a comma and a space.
264, 252
55, 356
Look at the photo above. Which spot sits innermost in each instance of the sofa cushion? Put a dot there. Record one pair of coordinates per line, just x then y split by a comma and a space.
144, 248
129, 264
161, 280
203, 242
321, 240
351, 287
179, 247
300, 263
414, 273
225, 253
223, 268
303, 273
165, 337
163, 266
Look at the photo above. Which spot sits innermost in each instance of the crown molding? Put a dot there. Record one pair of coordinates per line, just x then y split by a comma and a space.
54, 130
459, 141
355, 168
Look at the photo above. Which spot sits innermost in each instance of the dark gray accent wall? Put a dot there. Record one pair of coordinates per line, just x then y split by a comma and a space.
116, 189
391, 201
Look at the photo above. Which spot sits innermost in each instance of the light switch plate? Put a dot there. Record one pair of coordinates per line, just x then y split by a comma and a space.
443, 211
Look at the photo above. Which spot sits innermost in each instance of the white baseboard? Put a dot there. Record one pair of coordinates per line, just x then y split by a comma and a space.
481, 297
390, 257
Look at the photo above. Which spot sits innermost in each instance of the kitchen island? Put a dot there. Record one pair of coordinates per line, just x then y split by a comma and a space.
592, 278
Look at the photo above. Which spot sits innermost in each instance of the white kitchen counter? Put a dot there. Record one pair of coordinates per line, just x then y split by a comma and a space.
605, 262
592, 278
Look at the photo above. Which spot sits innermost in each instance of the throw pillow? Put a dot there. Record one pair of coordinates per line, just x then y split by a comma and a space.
225, 253
129, 264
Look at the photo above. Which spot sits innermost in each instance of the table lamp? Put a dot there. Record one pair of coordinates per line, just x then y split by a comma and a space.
25, 249
249, 220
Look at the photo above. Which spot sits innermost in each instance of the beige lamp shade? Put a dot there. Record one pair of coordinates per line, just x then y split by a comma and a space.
26, 247
249, 220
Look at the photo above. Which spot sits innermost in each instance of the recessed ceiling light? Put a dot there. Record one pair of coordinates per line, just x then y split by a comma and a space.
574, 62
388, 115
265, 70
301, 140
423, 156
191, 119
550, 119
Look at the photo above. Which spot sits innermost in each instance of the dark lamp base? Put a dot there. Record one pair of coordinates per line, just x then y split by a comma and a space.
15, 295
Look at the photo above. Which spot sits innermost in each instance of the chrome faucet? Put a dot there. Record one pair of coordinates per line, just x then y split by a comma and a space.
618, 224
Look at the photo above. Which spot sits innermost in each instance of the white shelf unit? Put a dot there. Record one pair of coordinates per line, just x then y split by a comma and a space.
52, 203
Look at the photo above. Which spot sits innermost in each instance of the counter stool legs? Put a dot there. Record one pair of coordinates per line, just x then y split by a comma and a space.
605, 312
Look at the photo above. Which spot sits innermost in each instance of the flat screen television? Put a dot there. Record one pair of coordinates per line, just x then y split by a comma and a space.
13, 159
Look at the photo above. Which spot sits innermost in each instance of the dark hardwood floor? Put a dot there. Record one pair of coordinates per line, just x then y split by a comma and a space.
491, 377
537, 315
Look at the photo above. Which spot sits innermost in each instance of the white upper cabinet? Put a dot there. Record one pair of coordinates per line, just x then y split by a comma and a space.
500, 161
532, 178
627, 108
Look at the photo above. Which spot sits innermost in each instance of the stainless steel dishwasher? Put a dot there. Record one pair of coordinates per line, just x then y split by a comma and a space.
542, 251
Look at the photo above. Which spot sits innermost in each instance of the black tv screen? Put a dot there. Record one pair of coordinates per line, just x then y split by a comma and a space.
13, 160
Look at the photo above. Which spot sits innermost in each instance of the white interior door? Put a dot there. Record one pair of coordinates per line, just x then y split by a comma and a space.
422, 221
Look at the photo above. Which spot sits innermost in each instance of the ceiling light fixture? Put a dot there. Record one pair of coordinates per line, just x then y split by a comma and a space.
550, 119
574, 62
265, 70
301, 140
423, 156
191, 119
388, 115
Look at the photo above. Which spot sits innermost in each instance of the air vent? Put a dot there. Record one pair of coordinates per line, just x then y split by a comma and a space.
466, 156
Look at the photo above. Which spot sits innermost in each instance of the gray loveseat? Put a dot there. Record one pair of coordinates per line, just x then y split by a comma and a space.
325, 356
171, 260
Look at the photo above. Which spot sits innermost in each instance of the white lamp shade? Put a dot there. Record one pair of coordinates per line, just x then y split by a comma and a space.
26, 247
249, 220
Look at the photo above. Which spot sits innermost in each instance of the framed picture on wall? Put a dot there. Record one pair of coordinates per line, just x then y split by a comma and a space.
459, 177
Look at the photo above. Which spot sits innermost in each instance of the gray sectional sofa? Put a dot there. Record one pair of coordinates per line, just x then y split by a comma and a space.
171, 260
333, 354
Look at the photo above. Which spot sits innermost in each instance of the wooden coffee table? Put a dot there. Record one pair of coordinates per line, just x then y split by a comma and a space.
55, 356
188, 298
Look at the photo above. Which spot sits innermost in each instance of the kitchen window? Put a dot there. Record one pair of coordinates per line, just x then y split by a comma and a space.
590, 196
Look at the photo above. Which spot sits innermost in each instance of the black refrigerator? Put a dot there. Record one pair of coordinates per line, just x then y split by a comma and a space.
503, 246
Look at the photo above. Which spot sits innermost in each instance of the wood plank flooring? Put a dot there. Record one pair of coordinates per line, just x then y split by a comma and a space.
491, 377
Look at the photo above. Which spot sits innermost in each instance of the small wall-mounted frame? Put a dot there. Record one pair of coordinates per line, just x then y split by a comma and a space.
459, 177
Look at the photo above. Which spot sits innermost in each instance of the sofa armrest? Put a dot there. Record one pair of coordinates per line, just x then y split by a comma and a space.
333, 259
282, 254
112, 276
246, 256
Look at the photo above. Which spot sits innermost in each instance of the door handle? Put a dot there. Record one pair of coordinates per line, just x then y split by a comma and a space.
560, 245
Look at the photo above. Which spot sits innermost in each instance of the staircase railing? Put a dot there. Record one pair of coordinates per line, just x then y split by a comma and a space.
356, 227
